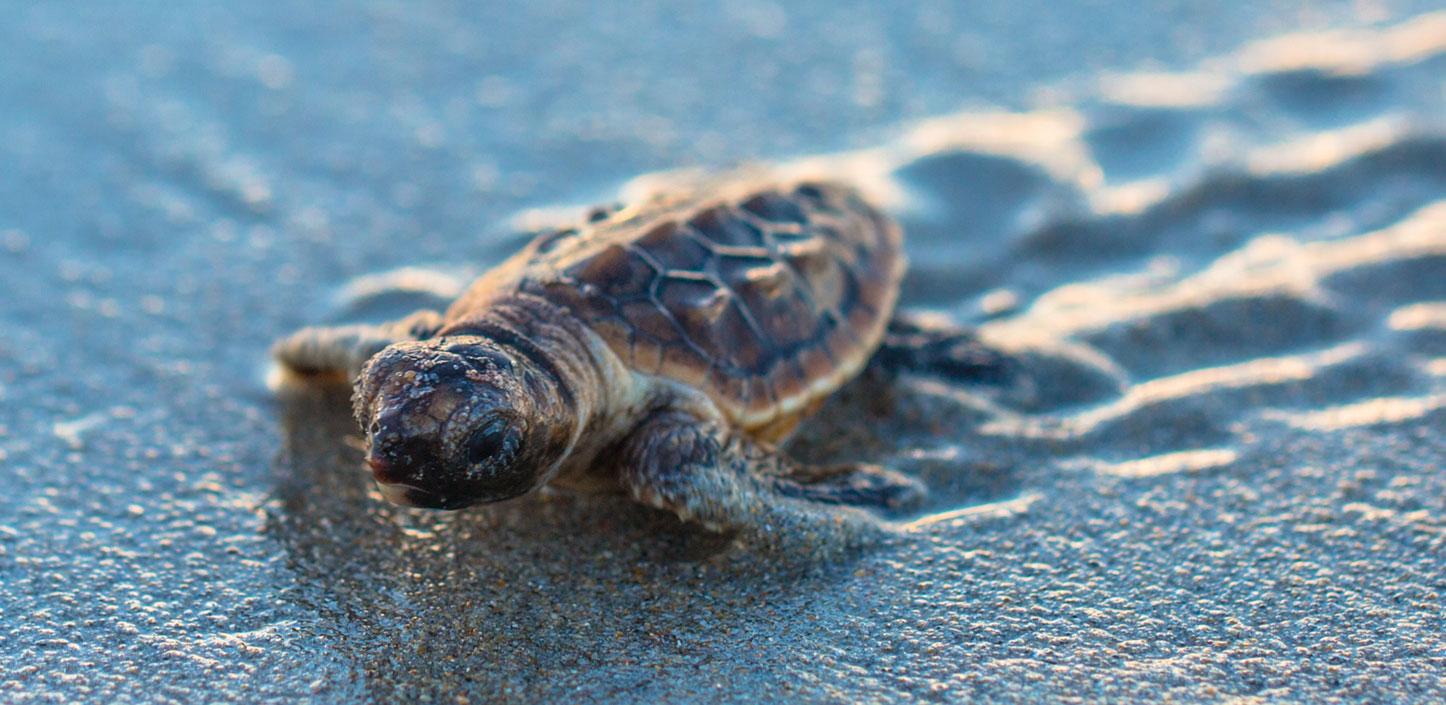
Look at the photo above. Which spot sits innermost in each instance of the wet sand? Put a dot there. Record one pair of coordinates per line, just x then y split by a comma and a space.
1220, 264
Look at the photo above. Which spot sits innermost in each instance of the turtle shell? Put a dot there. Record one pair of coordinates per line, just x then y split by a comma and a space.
766, 297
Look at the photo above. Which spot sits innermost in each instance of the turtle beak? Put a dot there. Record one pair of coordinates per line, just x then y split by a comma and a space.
409, 496
397, 493
406, 495
393, 486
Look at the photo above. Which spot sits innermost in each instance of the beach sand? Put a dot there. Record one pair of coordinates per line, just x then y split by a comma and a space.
1218, 253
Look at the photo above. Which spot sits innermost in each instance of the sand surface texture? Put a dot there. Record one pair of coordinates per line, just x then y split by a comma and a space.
1217, 476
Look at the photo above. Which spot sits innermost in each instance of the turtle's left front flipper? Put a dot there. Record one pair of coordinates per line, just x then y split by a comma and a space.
703, 471
341, 351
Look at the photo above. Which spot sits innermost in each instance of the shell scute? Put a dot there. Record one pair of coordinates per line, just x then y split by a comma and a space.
775, 208
711, 320
685, 364
771, 293
763, 278
676, 247
646, 355
722, 227
617, 272
652, 321
585, 299
789, 381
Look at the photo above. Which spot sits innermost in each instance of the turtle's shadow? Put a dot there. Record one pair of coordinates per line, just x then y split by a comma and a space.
920, 426
502, 598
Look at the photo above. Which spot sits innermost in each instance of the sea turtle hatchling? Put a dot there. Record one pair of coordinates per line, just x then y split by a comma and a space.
663, 349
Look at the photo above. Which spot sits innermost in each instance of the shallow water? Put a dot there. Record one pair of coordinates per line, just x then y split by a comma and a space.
1221, 263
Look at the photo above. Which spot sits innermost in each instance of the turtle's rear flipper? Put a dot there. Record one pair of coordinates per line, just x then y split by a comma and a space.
917, 344
340, 351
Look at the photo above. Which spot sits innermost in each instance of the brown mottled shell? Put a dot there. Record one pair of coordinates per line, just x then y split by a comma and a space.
765, 297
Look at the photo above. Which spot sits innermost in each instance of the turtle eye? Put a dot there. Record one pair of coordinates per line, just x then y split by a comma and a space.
496, 440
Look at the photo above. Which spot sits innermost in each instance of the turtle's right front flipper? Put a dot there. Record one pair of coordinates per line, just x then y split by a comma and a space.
340, 351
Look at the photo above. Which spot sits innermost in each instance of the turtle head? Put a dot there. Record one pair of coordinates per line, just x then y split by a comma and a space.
457, 421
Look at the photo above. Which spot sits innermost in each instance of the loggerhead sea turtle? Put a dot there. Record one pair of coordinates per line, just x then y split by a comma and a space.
663, 349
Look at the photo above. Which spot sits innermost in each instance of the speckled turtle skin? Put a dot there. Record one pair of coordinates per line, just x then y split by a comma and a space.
662, 349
